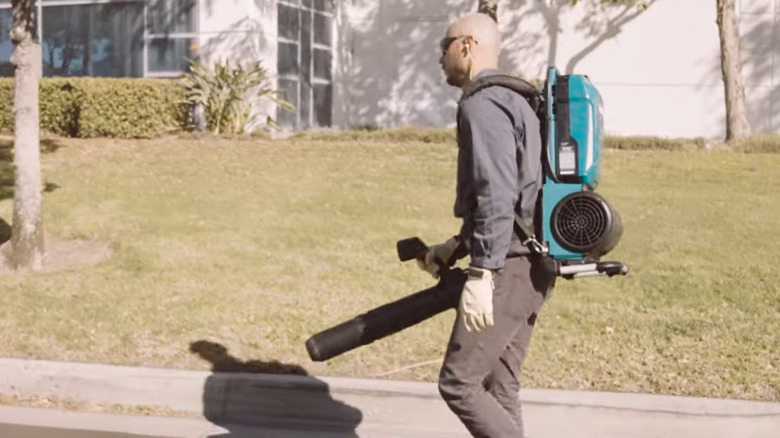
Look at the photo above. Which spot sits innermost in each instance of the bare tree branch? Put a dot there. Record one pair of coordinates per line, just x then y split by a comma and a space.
490, 8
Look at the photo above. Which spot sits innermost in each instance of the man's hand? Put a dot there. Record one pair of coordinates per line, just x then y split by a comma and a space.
441, 252
476, 301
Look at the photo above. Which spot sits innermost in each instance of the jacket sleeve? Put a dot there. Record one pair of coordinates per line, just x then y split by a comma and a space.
488, 170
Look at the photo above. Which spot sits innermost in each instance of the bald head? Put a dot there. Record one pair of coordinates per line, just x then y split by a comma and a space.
484, 31
470, 46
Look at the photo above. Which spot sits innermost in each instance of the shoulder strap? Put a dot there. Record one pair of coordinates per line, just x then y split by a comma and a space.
520, 86
524, 229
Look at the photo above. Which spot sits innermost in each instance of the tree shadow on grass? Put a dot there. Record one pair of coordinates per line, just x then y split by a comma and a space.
48, 146
256, 398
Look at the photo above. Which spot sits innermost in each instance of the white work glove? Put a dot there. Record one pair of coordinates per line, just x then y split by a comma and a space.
476, 301
442, 252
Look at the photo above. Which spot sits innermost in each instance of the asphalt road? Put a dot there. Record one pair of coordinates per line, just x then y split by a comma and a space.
20, 431
17, 431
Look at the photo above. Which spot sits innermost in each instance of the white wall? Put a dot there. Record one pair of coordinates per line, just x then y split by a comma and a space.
393, 77
658, 70
760, 31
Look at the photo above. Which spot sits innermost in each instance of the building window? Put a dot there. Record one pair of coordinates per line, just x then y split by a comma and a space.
122, 38
93, 40
172, 36
6, 46
305, 61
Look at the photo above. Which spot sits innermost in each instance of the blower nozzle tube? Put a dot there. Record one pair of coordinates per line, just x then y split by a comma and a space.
388, 319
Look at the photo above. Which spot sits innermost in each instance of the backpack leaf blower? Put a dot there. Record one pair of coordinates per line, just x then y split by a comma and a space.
577, 226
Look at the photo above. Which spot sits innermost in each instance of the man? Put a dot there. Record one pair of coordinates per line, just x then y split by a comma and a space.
499, 173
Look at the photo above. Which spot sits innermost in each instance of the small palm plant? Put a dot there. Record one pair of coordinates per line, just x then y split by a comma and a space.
228, 92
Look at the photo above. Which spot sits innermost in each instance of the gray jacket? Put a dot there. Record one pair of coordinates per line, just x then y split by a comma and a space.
499, 169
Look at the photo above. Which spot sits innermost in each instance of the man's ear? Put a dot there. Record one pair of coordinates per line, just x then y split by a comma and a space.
467, 43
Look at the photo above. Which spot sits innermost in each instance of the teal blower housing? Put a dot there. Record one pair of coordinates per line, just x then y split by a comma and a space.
577, 226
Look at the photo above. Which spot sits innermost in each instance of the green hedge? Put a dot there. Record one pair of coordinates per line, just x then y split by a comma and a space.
641, 143
58, 108
6, 106
104, 107
759, 144
369, 133
443, 135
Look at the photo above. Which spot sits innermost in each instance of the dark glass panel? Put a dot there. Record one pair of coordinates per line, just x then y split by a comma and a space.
288, 22
322, 30
287, 63
323, 105
172, 16
171, 54
289, 92
322, 64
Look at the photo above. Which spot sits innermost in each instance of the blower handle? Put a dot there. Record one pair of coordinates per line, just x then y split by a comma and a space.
609, 269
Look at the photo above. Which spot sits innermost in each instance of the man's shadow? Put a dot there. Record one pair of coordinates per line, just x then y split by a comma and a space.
261, 399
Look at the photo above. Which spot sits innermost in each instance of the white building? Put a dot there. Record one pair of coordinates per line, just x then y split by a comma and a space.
350, 63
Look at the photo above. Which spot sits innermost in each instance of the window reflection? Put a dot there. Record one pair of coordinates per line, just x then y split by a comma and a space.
107, 38
172, 16
322, 30
93, 40
289, 92
170, 55
6, 46
323, 98
305, 62
322, 64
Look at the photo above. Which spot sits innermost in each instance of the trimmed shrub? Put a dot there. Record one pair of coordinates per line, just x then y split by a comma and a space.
58, 105
129, 108
104, 107
6, 106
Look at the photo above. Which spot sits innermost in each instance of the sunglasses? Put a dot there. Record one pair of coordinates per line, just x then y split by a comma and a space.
447, 42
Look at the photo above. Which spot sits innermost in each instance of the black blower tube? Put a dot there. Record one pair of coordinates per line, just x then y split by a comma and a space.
388, 319
401, 314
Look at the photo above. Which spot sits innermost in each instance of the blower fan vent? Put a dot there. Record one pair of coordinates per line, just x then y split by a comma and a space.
585, 223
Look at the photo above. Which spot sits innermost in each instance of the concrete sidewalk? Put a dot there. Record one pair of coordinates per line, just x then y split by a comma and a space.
293, 406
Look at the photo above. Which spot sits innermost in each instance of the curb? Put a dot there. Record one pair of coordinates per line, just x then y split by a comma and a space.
407, 408
73, 424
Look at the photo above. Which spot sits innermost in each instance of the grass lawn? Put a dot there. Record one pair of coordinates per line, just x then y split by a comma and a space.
255, 245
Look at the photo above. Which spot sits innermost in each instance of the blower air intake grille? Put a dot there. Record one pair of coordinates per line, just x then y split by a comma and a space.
585, 223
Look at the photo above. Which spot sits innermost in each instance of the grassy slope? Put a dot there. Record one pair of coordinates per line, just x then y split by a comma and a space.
256, 245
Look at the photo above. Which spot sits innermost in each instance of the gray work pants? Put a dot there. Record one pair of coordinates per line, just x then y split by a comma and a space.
480, 377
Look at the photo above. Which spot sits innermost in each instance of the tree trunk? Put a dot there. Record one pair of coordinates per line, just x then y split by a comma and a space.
27, 230
489, 7
737, 124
